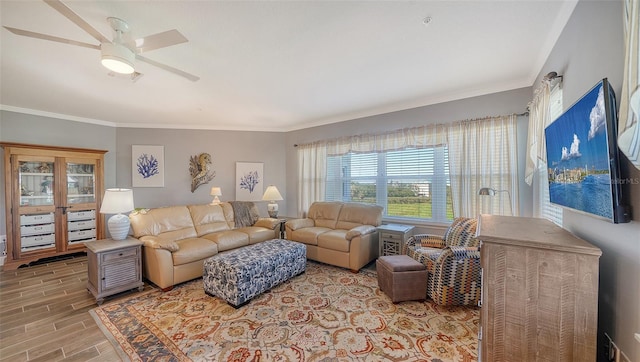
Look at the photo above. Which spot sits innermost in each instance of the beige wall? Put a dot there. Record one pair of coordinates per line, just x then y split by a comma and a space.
225, 147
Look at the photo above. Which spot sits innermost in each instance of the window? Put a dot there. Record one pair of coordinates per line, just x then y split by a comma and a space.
410, 184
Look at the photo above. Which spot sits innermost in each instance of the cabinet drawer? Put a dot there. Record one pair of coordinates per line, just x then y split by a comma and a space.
389, 236
37, 229
81, 235
80, 225
39, 240
81, 215
119, 254
36, 219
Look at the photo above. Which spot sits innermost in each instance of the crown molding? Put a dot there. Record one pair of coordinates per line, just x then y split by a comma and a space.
65, 117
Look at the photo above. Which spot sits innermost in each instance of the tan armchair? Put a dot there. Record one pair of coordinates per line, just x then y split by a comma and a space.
453, 263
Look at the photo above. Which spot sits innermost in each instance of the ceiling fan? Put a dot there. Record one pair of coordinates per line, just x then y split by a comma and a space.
120, 54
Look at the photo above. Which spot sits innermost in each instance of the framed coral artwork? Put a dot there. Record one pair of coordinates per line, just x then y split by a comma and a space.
147, 164
249, 181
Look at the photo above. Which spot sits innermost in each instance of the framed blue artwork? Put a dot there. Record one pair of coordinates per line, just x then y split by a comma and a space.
147, 164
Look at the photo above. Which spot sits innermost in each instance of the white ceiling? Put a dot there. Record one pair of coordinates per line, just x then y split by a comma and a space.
275, 65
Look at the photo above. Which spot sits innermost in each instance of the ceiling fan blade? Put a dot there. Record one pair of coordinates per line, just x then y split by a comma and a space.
160, 40
76, 19
179, 72
32, 34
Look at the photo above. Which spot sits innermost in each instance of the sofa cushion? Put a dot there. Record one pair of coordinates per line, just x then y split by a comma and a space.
307, 235
334, 240
173, 223
355, 214
193, 249
208, 218
325, 214
229, 239
257, 234
426, 256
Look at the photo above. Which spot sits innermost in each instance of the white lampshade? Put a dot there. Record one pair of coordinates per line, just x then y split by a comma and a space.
216, 191
117, 201
272, 194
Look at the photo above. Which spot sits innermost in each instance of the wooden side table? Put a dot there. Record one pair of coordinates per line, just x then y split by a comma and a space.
393, 238
114, 266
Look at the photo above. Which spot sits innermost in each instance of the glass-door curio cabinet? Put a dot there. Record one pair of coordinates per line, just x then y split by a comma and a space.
52, 197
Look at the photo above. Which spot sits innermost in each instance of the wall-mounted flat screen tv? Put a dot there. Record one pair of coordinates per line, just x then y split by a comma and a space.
582, 156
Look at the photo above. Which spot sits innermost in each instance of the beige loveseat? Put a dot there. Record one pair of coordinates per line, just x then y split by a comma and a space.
337, 233
177, 239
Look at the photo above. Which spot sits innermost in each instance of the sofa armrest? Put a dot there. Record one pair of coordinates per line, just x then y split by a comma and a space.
430, 241
360, 230
267, 222
462, 252
296, 224
425, 241
159, 243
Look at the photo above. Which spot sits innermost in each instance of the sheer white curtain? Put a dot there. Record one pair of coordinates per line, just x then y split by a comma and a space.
416, 137
312, 175
538, 120
545, 107
629, 129
483, 153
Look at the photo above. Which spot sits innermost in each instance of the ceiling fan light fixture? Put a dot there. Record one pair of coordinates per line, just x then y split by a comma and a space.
117, 58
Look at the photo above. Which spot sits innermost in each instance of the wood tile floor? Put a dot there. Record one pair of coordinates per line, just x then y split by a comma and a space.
44, 314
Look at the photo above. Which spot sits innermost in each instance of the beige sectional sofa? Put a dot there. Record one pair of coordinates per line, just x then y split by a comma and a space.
177, 239
337, 233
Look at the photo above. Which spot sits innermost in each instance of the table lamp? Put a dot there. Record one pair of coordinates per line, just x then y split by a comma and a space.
117, 201
215, 191
272, 195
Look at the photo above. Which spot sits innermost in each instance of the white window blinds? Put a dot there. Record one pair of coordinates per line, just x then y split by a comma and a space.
412, 183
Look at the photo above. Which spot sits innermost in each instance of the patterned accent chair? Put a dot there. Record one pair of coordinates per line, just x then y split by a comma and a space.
453, 262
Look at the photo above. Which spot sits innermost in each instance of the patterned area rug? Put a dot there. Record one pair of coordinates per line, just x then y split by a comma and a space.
326, 314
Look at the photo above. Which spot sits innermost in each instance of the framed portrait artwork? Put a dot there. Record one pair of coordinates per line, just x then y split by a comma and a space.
147, 164
249, 181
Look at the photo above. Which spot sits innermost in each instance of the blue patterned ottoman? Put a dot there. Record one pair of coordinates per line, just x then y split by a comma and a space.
240, 274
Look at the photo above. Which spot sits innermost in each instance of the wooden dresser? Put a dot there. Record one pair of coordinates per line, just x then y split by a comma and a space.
539, 292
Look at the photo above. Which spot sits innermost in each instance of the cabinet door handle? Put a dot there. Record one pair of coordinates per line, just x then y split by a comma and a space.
64, 209
103, 278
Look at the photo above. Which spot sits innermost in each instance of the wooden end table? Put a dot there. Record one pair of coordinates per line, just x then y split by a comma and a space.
114, 266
